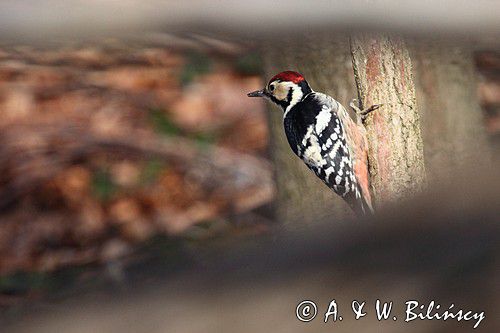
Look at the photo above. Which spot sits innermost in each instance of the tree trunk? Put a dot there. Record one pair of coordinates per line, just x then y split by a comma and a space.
452, 125
383, 74
326, 64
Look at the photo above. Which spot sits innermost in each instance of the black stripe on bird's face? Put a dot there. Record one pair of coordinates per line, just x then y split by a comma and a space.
304, 87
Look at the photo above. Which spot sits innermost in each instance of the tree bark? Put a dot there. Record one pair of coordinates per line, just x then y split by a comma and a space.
326, 64
383, 74
452, 125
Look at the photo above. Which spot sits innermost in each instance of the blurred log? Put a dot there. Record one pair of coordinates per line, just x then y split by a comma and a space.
325, 62
39, 20
446, 251
383, 72
452, 126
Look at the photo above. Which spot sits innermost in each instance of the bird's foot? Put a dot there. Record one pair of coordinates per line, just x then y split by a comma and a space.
363, 114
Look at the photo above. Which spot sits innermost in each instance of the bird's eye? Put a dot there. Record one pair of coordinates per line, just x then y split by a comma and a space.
271, 88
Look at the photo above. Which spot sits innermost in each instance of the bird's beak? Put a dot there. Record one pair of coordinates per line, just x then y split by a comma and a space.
258, 93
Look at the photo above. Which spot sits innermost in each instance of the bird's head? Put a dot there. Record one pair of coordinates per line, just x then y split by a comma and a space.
285, 89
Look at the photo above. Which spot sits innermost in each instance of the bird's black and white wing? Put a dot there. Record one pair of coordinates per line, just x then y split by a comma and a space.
325, 148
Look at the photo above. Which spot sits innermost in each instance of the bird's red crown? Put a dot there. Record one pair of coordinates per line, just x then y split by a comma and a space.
288, 76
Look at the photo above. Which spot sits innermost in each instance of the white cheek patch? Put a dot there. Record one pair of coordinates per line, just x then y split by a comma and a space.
296, 95
281, 92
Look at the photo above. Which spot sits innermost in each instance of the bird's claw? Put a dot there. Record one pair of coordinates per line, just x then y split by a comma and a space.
354, 105
363, 113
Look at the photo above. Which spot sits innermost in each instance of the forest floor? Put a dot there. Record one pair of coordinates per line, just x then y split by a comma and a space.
111, 144
118, 157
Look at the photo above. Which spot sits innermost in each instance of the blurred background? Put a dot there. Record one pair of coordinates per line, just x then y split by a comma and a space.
112, 145
129, 152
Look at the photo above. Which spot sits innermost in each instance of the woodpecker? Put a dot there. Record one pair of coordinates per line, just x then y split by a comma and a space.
321, 132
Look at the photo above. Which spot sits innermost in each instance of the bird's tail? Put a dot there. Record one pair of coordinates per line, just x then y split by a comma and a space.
359, 205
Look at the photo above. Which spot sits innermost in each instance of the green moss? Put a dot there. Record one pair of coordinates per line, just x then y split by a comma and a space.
103, 187
249, 64
197, 64
204, 140
151, 170
162, 123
